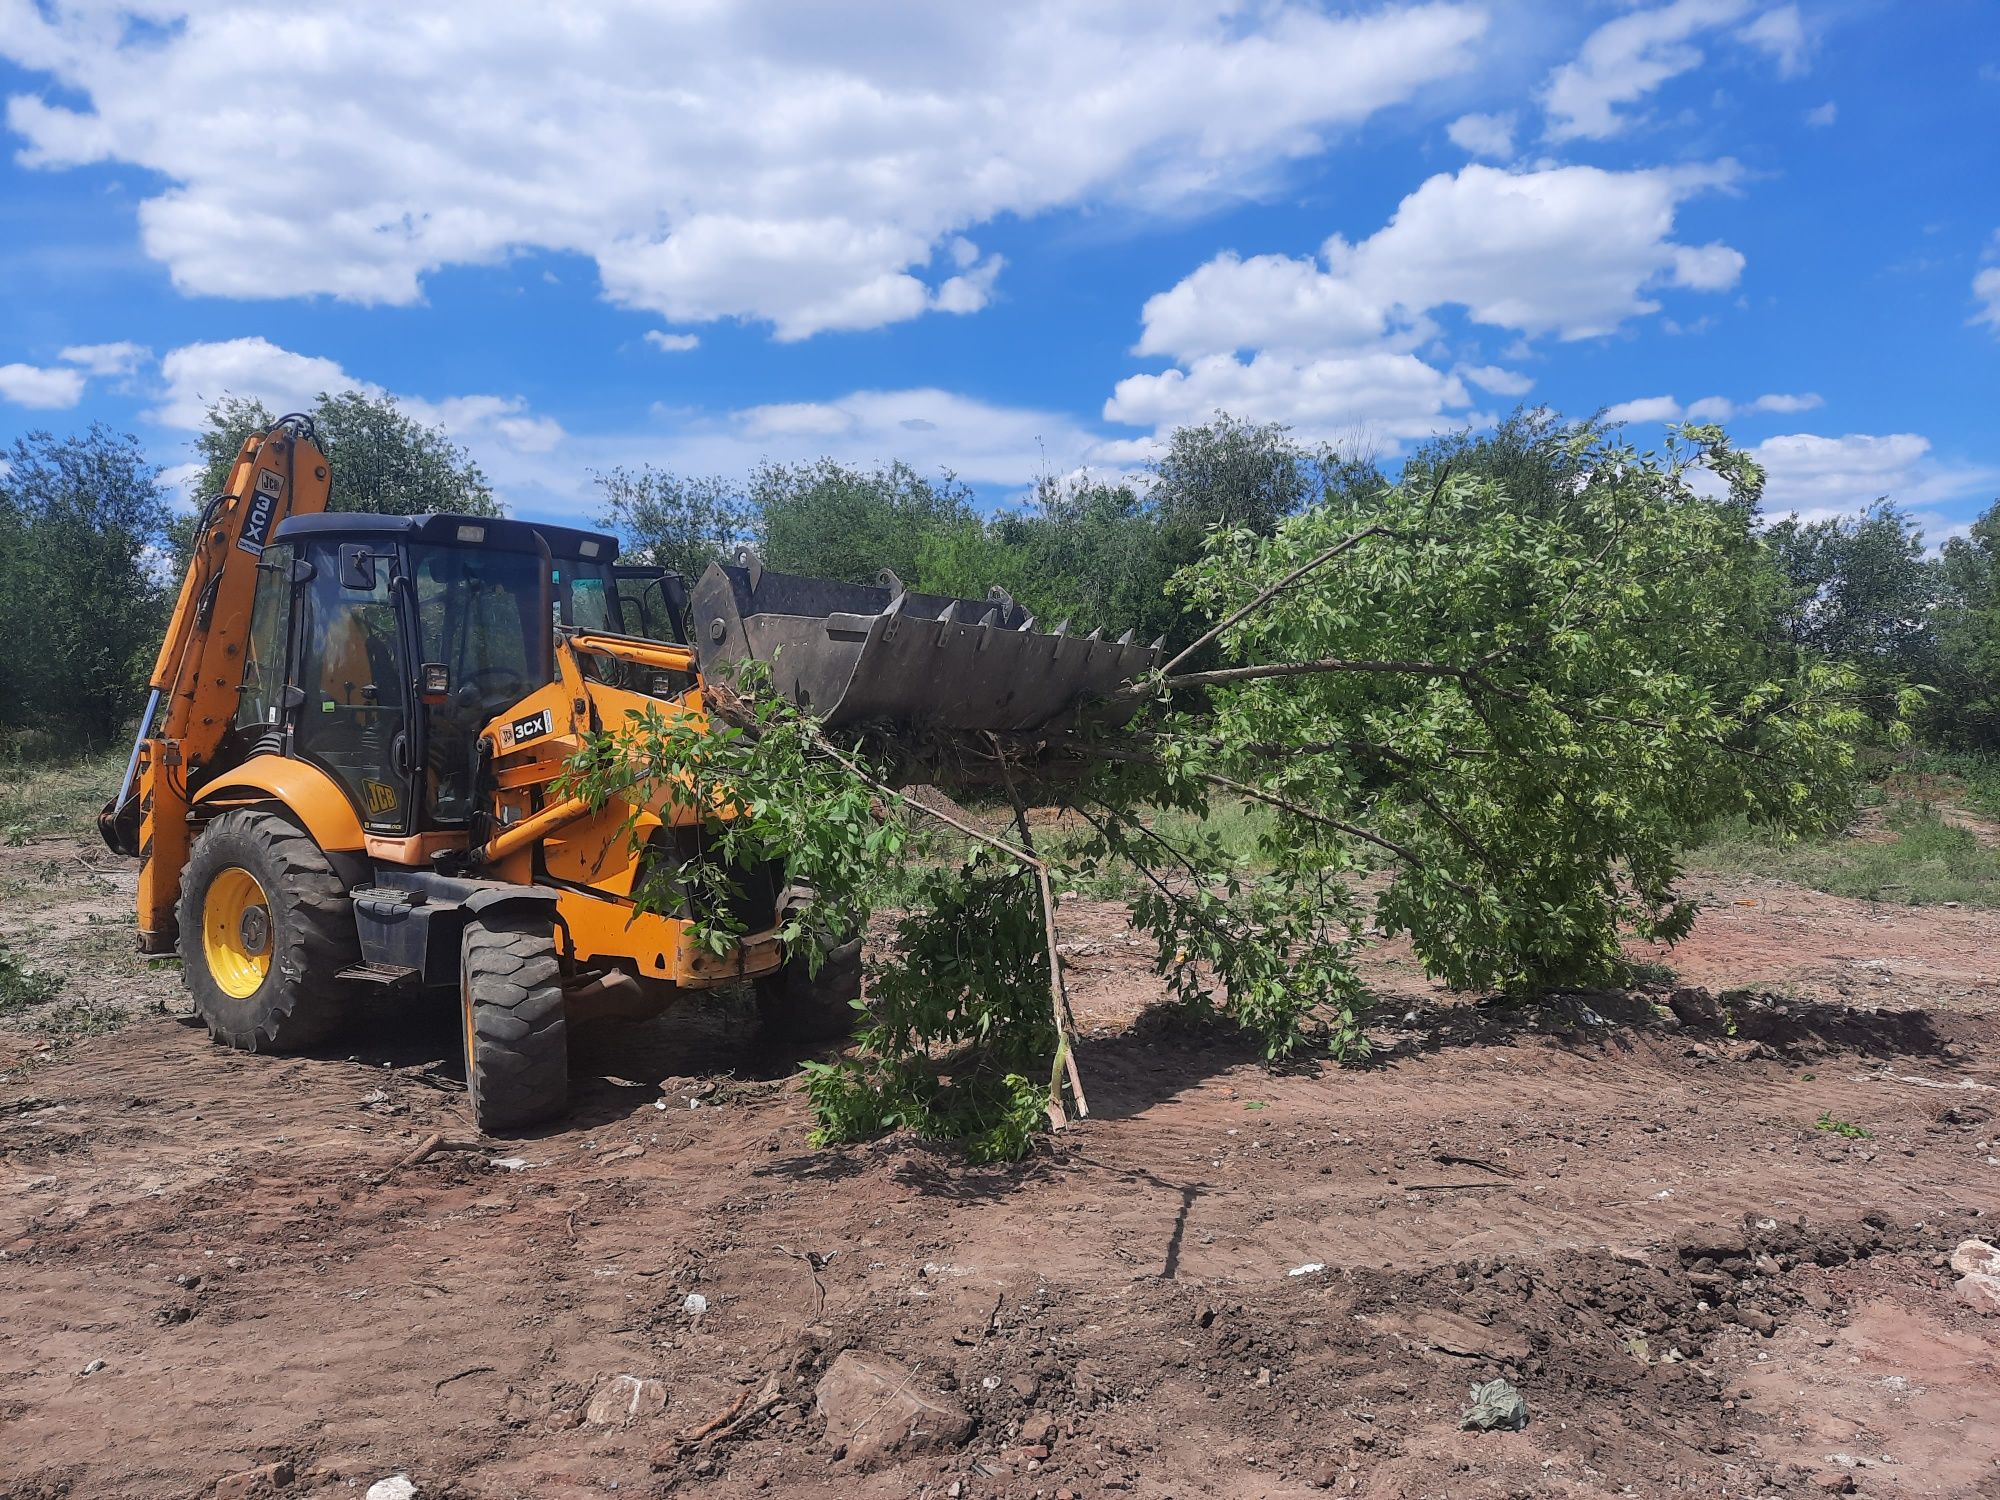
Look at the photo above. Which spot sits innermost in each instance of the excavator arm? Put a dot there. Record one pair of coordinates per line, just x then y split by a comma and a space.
192, 694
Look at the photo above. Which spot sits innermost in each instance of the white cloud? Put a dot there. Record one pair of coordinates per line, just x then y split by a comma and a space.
1333, 344
1566, 250
672, 343
1268, 300
812, 167
44, 388
1483, 135
1500, 382
1626, 59
1378, 393
1630, 57
254, 369
1986, 287
1782, 34
1782, 402
1645, 409
1816, 476
537, 464
927, 428
499, 431
1708, 408
121, 358
1823, 115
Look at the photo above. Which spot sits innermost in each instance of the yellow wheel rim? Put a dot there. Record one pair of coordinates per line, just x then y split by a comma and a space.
466, 1009
236, 932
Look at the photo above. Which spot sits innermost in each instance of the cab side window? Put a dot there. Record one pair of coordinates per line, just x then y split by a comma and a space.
260, 701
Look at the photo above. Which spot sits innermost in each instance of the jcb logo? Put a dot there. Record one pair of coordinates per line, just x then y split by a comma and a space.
263, 509
381, 798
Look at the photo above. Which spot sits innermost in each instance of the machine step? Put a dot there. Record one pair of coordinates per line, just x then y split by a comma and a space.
388, 975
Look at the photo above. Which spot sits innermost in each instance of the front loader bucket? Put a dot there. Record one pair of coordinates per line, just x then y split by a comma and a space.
855, 654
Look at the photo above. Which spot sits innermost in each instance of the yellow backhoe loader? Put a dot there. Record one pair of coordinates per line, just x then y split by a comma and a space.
343, 773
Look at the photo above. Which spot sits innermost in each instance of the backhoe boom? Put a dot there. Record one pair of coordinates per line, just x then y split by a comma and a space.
192, 694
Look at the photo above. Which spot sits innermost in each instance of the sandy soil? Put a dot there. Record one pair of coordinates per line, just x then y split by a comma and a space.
1634, 1218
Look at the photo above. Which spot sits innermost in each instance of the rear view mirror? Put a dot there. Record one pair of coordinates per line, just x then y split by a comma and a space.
357, 567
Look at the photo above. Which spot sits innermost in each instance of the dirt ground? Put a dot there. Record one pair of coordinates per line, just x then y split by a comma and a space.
1228, 1282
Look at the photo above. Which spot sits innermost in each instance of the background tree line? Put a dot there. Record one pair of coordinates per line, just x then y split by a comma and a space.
90, 546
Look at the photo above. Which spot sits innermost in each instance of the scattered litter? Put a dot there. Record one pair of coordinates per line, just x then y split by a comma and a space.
395, 1487
507, 1163
93, 1367
1307, 1269
1496, 1405
695, 1305
1663, 1195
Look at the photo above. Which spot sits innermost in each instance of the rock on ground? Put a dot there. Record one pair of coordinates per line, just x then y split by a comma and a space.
250, 1484
874, 1409
625, 1399
1981, 1293
1975, 1258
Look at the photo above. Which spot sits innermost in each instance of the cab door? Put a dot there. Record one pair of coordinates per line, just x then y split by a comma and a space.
353, 720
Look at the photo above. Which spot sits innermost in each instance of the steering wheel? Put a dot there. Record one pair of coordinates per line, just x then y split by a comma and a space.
471, 695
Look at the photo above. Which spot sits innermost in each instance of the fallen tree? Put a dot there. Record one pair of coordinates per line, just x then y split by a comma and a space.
1491, 726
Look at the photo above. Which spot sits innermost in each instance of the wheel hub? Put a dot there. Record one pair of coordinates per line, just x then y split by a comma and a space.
236, 932
255, 929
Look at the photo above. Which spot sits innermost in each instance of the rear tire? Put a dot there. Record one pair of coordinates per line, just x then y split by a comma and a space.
265, 925
516, 1034
795, 1006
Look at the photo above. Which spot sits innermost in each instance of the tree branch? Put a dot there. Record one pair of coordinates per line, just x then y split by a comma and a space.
1274, 590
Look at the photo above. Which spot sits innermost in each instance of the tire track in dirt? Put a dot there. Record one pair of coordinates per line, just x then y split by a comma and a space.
230, 1235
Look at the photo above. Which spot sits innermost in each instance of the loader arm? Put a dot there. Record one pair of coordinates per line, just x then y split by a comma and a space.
192, 693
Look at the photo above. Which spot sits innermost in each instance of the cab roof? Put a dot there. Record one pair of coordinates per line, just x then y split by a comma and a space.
443, 530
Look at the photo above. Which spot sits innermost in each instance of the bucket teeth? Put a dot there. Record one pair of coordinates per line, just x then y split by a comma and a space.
853, 654
1160, 644
1096, 635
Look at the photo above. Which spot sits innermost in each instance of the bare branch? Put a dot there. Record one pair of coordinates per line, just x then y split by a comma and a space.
1318, 666
1275, 589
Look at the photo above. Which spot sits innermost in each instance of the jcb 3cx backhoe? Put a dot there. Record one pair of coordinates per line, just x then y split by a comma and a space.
344, 773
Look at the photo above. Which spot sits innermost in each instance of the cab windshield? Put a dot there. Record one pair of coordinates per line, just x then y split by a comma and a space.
482, 614
587, 596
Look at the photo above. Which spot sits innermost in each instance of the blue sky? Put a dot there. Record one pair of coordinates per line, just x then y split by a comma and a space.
1005, 238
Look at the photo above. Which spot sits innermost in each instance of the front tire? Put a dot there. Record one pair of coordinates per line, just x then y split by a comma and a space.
265, 925
795, 1006
516, 1035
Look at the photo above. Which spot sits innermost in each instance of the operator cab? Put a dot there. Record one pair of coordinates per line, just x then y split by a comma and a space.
594, 592
381, 646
